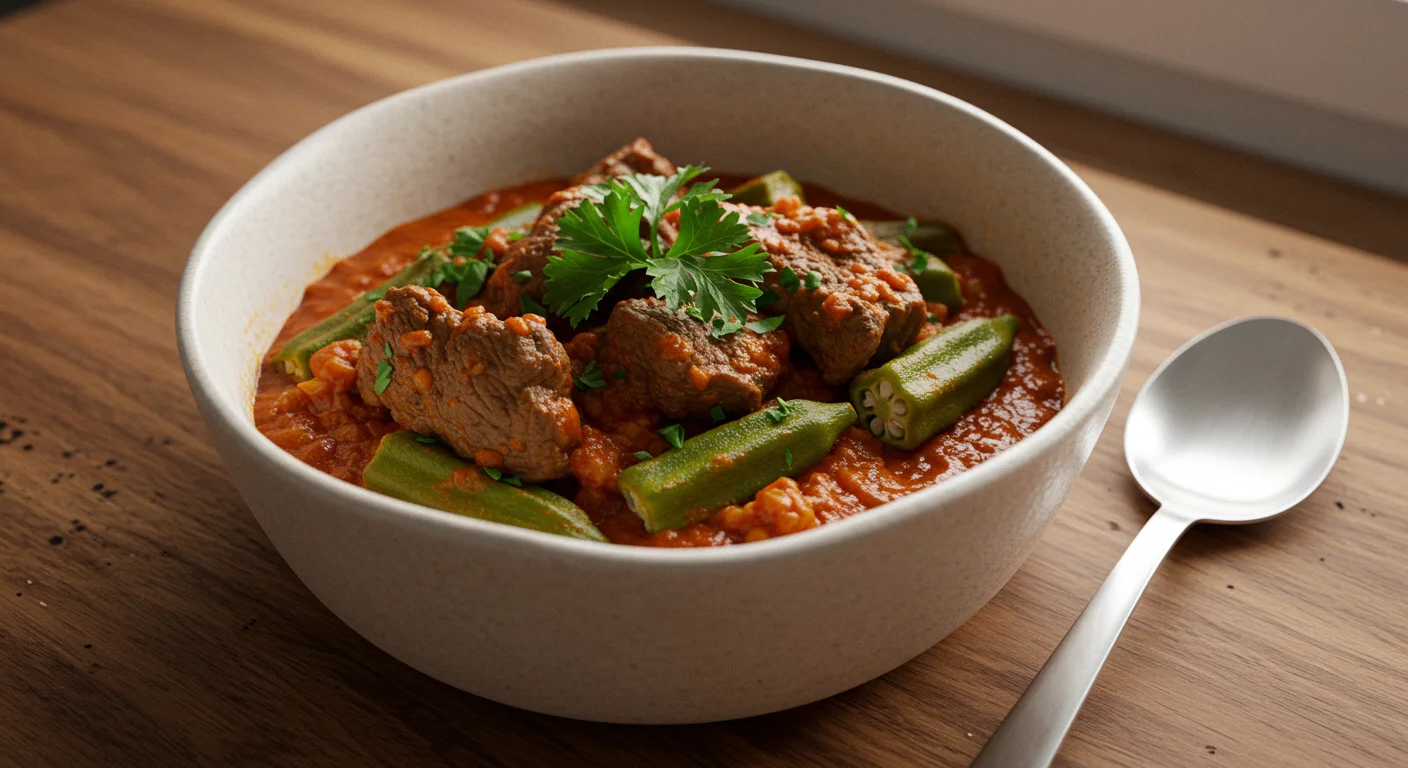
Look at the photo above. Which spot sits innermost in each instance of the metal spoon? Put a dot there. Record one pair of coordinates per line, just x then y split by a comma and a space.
1239, 425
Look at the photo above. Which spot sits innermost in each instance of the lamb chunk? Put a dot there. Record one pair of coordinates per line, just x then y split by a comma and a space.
636, 157
530, 253
496, 392
683, 369
863, 313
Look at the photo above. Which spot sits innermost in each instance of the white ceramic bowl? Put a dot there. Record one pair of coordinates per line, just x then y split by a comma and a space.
627, 634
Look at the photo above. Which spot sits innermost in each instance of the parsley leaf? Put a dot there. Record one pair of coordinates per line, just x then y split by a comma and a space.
767, 298
788, 456
470, 282
716, 414
643, 456
765, 325
522, 276
759, 219
528, 306
514, 480
788, 280
591, 377
494, 472
427, 439
468, 241
383, 376
813, 281
674, 435
919, 260
845, 214
778, 412
705, 271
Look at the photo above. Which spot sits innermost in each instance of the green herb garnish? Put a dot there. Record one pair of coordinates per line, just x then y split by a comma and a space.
591, 377
528, 305
716, 414
845, 214
523, 276
788, 280
813, 281
765, 325
674, 435
707, 270
427, 439
643, 456
919, 259
384, 369
759, 219
934, 318
778, 412
619, 374
767, 298
494, 472
514, 480
788, 456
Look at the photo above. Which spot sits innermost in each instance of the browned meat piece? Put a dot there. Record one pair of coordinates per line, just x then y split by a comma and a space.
636, 157
530, 253
864, 312
497, 392
682, 368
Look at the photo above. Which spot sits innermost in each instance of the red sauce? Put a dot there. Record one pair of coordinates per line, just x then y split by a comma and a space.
330, 428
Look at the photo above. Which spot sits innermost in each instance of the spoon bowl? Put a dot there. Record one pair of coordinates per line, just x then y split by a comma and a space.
1241, 423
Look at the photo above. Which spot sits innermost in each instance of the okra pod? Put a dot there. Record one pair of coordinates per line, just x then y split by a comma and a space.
731, 462
430, 475
925, 390
767, 189
351, 321
937, 282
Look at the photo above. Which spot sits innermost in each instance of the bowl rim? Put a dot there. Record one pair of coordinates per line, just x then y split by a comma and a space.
1107, 374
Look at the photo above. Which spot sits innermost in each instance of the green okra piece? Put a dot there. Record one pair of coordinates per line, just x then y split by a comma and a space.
937, 282
731, 462
925, 390
767, 189
351, 321
430, 475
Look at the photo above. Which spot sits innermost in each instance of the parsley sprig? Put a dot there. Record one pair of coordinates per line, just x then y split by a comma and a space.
919, 258
707, 270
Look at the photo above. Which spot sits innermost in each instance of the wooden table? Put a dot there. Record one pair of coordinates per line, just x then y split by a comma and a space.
147, 621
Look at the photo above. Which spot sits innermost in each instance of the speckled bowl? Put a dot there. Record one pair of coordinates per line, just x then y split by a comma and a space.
619, 633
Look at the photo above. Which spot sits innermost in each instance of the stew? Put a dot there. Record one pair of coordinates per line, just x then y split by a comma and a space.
658, 355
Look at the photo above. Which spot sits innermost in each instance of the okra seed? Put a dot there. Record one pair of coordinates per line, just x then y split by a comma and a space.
886, 391
877, 427
899, 407
895, 428
867, 399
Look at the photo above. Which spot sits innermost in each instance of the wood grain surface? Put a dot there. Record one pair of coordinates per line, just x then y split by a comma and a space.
147, 621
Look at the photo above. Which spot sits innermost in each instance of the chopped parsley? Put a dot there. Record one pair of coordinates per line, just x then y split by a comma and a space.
619, 374
788, 456
919, 259
845, 214
674, 435
384, 370
591, 377
528, 306
514, 480
765, 325
788, 280
523, 275
759, 219
427, 439
716, 414
462, 264
707, 270
778, 412
494, 472
813, 281
643, 456
767, 298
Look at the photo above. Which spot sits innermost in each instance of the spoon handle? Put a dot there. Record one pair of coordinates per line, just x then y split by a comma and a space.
1034, 729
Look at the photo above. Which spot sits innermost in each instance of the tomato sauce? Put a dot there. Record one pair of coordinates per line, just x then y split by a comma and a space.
330, 428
